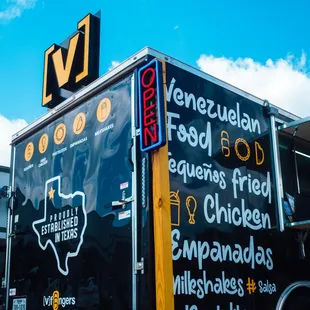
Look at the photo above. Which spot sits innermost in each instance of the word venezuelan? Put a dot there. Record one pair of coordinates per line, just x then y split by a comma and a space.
214, 111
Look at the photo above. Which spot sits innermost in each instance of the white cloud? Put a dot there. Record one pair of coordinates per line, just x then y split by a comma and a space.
7, 129
15, 8
283, 82
114, 64
176, 27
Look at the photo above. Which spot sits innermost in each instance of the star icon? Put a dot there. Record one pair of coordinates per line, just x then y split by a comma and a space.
51, 193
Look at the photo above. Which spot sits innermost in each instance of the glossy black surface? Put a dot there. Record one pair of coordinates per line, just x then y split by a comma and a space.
214, 260
98, 275
295, 174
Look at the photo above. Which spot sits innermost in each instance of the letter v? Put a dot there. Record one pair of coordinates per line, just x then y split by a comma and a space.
63, 70
170, 90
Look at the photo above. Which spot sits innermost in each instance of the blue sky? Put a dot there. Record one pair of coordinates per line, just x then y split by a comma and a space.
210, 34
183, 29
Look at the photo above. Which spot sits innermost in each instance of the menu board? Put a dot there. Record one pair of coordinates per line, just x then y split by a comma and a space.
221, 196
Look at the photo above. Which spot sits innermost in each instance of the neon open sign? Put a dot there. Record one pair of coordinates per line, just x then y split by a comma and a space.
151, 106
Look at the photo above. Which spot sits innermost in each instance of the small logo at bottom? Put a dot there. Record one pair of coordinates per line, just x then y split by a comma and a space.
55, 301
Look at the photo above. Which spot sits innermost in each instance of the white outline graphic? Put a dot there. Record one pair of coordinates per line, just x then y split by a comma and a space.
49, 241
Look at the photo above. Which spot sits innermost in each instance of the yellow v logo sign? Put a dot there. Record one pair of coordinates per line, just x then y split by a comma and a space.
73, 64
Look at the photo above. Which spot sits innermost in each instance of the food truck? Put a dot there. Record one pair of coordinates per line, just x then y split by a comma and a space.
155, 186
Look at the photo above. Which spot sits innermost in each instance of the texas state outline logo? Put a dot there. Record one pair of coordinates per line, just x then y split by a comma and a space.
63, 224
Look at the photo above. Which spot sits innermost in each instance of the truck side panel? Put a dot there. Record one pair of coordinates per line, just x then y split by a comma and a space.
227, 252
71, 241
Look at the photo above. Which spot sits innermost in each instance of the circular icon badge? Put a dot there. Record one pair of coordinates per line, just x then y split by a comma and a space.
55, 300
103, 109
60, 133
79, 123
29, 150
43, 143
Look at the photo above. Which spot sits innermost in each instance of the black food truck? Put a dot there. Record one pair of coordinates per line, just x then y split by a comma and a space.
155, 186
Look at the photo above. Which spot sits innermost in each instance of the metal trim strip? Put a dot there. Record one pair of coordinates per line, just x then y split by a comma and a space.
9, 229
294, 123
134, 195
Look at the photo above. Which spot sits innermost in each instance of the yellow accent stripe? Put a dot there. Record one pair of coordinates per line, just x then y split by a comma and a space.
46, 98
162, 224
85, 22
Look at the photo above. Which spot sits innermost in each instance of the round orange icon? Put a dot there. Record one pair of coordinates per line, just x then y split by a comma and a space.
43, 143
29, 150
103, 109
60, 133
79, 123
